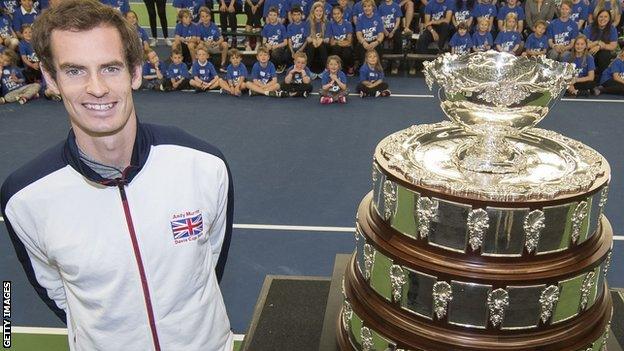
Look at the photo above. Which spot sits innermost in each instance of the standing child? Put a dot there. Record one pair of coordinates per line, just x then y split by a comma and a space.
205, 76
14, 87
177, 77
186, 36
297, 80
153, 71
537, 42
333, 82
340, 34
461, 42
584, 63
297, 32
274, 39
482, 38
509, 39
612, 79
234, 82
371, 77
263, 76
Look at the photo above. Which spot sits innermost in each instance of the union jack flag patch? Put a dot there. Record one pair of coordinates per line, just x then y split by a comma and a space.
187, 227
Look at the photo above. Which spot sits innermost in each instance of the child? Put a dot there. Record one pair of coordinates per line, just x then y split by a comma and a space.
612, 79
263, 75
234, 82
482, 38
486, 9
391, 14
561, 32
132, 18
205, 76
436, 25
210, 35
511, 7
368, 30
14, 87
333, 82
509, 39
280, 8
303, 5
177, 77
461, 41
463, 12
580, 12
584, 62
371, 77
537, 42
340, 34
186, 36
298, 77
153, 71
7, 34
24, 14
316, 49
32, 72
274, 39
297, 32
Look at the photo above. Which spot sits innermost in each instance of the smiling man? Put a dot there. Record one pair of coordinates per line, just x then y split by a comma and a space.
123, 228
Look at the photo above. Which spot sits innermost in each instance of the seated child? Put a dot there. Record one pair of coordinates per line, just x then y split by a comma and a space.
234, 82
612, 79
263, 76
482, 38
461, 42
133, 19
371, 77
274, 39
297, 32
537, 42
298, 77
561, 32
32, 72
210, 35
204, 76
153, 71
14, 87
8, 37
186, 36
178, 76
340, 34
508, 40
333, 82
584, 62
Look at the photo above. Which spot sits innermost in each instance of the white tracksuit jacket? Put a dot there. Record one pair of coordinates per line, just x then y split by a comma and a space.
133, 263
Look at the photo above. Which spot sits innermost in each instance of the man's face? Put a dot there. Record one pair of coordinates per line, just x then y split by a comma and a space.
93, 79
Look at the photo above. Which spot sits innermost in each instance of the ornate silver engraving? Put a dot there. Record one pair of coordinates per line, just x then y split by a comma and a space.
586, 286
369, 260
478, 223
426, 212
548, 301
605, 337
367, 339
607, 263
497, 301
347, 314
375, 172
442, 295
604, 194
397, 280
533, 226
390, 197
578, 216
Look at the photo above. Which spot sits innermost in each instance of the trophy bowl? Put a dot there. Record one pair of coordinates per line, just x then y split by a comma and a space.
495, 95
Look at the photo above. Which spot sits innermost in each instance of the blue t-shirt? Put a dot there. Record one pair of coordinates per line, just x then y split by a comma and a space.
585, 65
9, 85
347, 14
26, 49
370, 27
205, 72
122, 6
20, 19
580, 11
279, 4
370, 74
149, 69
484, 10
607, 6
10, 6
190, 5
178, 71
479, 41
298, 33
463, 13
274, 33
462, 44
437, 10
504, 10
209, 32
338, 31
616, 67
234, 74
534, 43
263, 74
325, 79
6, 27
389, 14
186, 32
142, 34
562, 33
304, 5
297, 77
613, 36
507, 40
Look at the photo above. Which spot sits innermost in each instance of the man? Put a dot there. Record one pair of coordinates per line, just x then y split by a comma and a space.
123, 229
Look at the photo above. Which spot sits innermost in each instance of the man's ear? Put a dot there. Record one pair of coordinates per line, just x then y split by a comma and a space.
137, 77
50, 81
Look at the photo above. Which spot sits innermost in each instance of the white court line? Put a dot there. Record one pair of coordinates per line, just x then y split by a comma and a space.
63, 331
592, 100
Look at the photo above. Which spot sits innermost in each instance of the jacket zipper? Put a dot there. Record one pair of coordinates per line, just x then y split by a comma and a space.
137, 255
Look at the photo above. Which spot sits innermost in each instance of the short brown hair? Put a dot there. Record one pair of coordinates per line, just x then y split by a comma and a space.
184, 12
11, 55
300, 54
262, 49
234, 53
80, 16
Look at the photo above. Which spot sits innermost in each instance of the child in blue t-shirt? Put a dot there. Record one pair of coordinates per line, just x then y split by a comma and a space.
436, 27
371, 77
32, 71
132, 18
340, 34
511, 6
509, 39
12, 81
210, 36
461, 42
369, 30
298, 77
263, 76
537, 42
297, 32
8, 38
482, 38
24, 14
186, 36
561, 32
178, 76
234, 82
274, 39
584, 63
333, 82
463, 12
205, 76
612, 79
153, 71
580, 12
391, 15
486, 9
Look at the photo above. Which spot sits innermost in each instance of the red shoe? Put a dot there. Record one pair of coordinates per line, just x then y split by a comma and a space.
342, 99
326, 100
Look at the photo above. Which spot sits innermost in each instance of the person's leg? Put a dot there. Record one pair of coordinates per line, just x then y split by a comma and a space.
602, 58
322, 54
408, 10
612, 87
150, 5
443, 31
587, 86
161, 7
424, 40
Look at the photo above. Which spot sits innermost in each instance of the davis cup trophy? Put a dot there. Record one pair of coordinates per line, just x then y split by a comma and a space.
483, 233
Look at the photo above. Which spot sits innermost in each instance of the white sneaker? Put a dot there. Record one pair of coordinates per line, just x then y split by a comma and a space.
152, 42
168, 42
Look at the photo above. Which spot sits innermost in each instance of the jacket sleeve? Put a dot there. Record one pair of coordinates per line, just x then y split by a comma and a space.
221, 231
